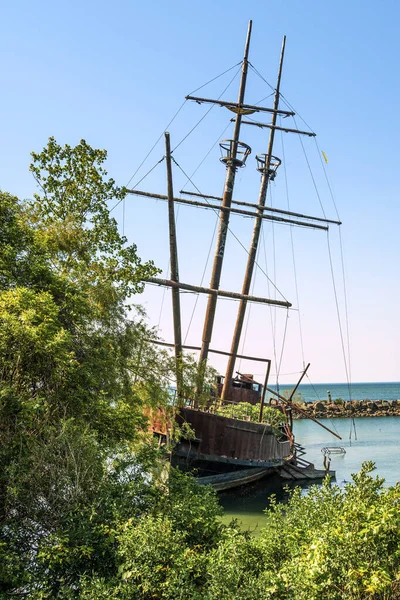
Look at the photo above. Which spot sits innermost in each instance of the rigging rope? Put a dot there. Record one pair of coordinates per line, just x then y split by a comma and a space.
348, 364
229, 228
150, 151
343, 271
319, 151
295, 111
208, 111
156, 142
253, 283
293, 252
261, 77
162, 300
215, 78
285, 374
317, 395
277, 365
213, 235
208, 153
140, 181
175, 115
338, 316
262, 99
310, 170
123, 218
272, 319
348, 361
283, 343
201, 282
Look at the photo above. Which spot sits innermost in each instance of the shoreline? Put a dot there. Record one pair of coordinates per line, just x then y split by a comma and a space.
349, 408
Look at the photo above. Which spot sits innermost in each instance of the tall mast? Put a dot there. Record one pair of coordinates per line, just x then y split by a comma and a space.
232, 162
176, 306
267, 164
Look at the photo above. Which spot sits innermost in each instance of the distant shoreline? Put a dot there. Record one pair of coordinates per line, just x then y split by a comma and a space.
342, 384
349, 408
308, 392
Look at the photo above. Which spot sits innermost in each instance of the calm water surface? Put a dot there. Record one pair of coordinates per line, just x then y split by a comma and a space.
377, 439
356, 391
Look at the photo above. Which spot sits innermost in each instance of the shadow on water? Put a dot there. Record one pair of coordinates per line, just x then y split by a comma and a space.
248, 503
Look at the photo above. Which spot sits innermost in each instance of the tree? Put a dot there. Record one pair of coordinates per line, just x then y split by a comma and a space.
73, 224
78, 366
67, 403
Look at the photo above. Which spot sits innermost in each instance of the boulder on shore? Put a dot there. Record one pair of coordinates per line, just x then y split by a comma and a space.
351, 408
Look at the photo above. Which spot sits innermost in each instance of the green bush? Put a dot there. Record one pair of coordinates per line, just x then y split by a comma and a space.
250, 412
339, 402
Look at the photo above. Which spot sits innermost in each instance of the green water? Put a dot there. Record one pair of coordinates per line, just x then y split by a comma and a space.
378, 440
248, 503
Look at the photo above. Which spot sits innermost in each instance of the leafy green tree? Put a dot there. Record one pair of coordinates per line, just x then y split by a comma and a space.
73, 221
78, 367
67, 403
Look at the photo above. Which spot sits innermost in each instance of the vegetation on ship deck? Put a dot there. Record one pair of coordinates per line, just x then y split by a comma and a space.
85, 508
249, 412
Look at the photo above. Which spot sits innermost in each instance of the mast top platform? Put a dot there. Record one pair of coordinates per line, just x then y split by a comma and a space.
268, 164
234, 153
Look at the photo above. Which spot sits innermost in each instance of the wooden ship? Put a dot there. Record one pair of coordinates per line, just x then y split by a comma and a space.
227, 451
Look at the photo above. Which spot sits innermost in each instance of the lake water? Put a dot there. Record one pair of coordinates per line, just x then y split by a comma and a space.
356, 391
375, 439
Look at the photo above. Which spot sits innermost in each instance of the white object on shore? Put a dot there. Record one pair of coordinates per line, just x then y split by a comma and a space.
333, 450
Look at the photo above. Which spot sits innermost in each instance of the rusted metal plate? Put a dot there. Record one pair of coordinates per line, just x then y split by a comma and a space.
233, 438
159, 422
241, 394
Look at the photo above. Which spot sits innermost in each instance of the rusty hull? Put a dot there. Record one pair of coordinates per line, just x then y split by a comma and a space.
232, 442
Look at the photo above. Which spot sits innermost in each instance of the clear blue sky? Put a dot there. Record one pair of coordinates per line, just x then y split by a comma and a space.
115, 74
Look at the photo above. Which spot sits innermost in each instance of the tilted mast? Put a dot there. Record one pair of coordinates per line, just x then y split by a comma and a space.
173, 252
232, 162
267, 165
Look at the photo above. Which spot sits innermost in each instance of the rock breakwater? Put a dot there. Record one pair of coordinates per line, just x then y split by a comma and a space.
351, 408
